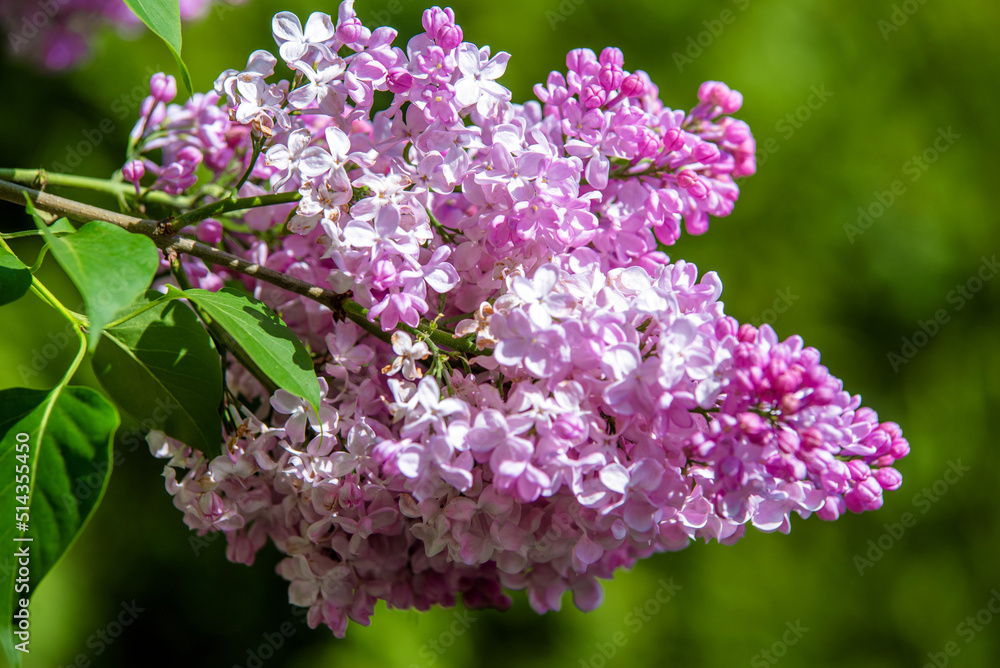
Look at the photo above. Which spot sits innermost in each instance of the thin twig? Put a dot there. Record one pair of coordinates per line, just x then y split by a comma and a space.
232, 204
86, 213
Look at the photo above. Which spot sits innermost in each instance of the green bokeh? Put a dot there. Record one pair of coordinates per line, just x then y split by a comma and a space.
853, 296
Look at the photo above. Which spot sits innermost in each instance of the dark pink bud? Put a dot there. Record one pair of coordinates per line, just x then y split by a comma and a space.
732, 102
867, 495
747, 333
673, 139
612, 56
706, 152
788, 441
633, 86
209, 231
146, 107
400, 80
811, 438
189, 154
736, 131
751, 424
690, 182
859, 470
434, 18
884, 460
578, 60
648, 144
610, 78
900, 448
790, 403
832, 509
237, 134
713, 92
163, 87
746, 166
879, 441
788, 381
821, 396
449, 37
836, 476
890, 428
889, 478
593, 97
809, 357
133, 171
350, 31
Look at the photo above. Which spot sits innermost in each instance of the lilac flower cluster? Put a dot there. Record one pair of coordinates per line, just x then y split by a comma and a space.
611, 409
56, 34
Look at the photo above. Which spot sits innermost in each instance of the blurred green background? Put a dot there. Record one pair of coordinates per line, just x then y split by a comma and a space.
847, 103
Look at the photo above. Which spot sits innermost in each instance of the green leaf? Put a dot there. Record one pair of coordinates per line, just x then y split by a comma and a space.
266, 339
109, 266
62, 226
15, 277
163, 17
162, 369
68, 460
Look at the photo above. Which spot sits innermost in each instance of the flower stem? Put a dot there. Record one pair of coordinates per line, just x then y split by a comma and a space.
43, 177
232, 204
258, 144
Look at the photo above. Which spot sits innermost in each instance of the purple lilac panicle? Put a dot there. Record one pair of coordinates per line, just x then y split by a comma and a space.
614, 409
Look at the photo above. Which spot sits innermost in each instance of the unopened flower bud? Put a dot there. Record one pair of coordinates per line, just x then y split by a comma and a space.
133, 171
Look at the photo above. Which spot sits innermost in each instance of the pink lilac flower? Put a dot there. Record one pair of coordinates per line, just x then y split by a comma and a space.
611, 408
